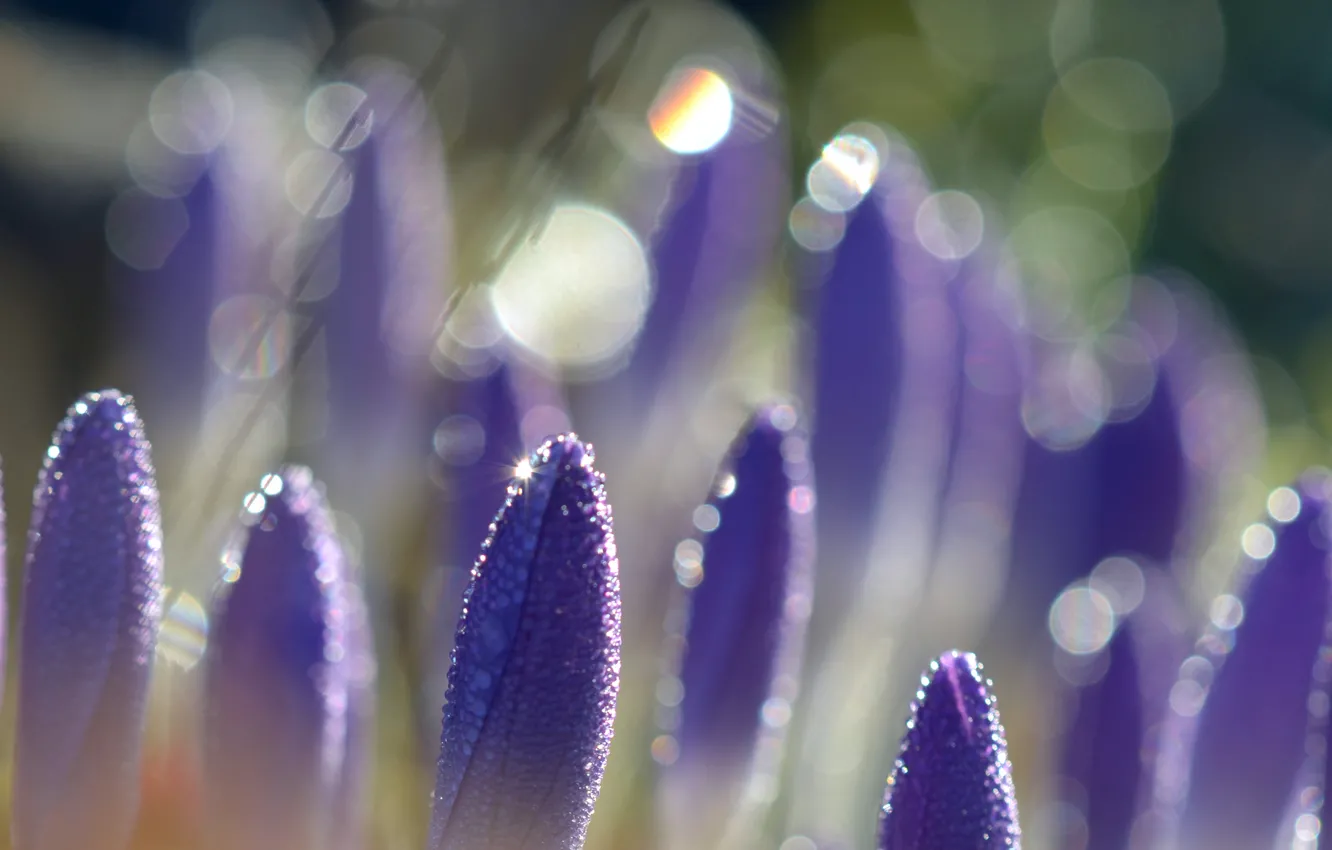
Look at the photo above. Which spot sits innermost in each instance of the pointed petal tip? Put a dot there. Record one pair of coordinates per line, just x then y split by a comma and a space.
92, 602
278, 674
532, 690
952, 784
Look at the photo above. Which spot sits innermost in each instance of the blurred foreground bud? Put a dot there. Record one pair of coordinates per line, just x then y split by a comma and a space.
92, 601
952, 786
536, 666
278, 677
1247, 728
746, 622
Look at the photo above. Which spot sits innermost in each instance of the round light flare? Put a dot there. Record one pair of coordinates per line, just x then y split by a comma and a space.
1082, 620
844, 173
334, 116
1107, 124
522, 470
576, 293
814, 228
191, 111
950, 225
692, 112
1258, 541
1283, 504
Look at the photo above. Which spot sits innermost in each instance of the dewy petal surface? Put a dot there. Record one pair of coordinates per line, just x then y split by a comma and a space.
536, 666
276, 682
92, 601
746, 621
952, 787
1249, 740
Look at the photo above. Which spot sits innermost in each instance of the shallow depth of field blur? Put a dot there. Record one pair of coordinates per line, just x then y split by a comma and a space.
1094, 146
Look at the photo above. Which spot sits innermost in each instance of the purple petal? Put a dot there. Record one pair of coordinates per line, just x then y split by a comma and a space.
722, 230
351, 807
1122, 492
168, 310
1102, 758
477, 444
857, 360
1112, 736
277, 679
746, 620
1248, 741
92, 600
394, 259
952, 785
536, 666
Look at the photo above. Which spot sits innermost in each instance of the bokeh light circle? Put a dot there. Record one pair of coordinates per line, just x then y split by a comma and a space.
577, 292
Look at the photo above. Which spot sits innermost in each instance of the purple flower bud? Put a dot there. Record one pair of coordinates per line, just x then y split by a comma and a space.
168, 308
857, 362
1102, 758
952, 785
1248, 739
1121, 492
536, 666
1115, 715
277, 675
92, 600
745, 627
714, 242
394, 258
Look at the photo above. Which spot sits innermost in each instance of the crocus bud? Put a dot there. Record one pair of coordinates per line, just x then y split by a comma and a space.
1247, 736
1101, 769
952, 785
277, 682
536, 666
92, 601
747, 612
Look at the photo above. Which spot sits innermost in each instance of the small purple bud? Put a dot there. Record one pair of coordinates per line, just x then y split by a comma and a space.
952, 786
746, 624
536, 666
92, 601
277, 677
1248, 739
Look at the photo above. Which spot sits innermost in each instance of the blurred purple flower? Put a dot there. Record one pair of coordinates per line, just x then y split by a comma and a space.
1233, 761
281, 677
952, 785
394, 259
536, 666
745, 626
721, 229
92, 599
